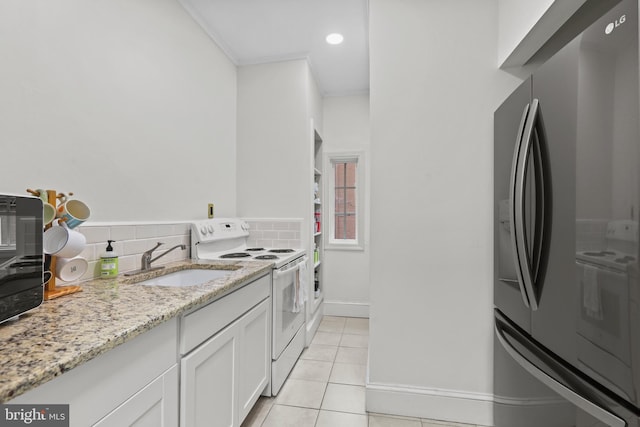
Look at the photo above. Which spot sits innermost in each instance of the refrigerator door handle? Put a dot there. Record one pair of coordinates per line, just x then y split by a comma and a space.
517, 222
530, 260
570, 391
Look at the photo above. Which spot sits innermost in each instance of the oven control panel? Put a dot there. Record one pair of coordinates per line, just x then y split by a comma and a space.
218, 229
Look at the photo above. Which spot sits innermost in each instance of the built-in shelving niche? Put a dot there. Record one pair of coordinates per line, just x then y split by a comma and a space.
318, 225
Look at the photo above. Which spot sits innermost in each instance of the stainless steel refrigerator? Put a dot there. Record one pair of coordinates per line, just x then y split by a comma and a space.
567, 204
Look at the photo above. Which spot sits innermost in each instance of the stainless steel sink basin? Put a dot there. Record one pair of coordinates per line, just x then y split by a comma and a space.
190, 277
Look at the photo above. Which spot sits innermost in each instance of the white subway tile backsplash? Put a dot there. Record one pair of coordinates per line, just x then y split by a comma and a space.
123, 232
146, 231
272, 234
166, 230
286, 235
89, 252
128, 263
258, 234
118, 247
264, 243
92, 272
131, 247
130, 242
95, 234
179, 229
264, 226
276, 233
281, 225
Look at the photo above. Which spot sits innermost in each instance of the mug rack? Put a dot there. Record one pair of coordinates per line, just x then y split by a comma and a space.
50, 289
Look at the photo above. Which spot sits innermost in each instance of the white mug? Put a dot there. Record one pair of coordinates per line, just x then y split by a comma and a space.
63, 242
70, 269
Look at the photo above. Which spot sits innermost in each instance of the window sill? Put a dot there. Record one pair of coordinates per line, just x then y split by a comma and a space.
344, 247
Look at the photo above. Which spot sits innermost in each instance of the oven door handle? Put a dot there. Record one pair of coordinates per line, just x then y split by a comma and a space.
280, 273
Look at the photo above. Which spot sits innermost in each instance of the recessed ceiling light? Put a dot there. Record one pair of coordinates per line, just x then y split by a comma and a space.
334, 38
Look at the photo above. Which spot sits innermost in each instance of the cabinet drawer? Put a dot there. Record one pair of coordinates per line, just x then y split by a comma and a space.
198, 326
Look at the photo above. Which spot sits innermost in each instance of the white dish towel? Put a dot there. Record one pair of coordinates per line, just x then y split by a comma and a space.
591, 300
303, 280
300, 295
296, 293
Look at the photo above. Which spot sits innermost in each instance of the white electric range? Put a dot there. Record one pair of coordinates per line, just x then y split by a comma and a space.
604, 315
226, 239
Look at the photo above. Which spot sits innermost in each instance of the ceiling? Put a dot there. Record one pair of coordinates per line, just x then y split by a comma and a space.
262, 31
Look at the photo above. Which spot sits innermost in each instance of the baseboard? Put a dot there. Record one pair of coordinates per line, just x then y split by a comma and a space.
346, 309
446, 405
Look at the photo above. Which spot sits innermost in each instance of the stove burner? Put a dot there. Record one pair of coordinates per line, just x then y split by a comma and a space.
254, 249
281, 251
235, 255
266, 257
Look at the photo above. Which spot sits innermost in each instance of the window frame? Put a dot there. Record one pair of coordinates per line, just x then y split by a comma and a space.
332, 158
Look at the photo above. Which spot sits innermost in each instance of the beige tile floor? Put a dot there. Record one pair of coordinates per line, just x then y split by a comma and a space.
326, 387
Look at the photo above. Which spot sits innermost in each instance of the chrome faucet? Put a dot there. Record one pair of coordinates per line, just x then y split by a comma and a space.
146, 260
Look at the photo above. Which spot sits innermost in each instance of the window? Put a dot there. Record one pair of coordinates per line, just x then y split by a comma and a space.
344, 200
345, 213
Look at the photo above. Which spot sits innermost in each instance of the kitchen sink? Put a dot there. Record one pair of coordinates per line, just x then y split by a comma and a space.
190, 277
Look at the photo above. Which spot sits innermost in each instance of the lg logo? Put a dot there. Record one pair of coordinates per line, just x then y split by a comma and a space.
613, 25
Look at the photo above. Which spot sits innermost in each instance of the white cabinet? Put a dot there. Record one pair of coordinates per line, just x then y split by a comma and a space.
130, 385
225, 349
209, 378
156, 405
255, 356
222, 378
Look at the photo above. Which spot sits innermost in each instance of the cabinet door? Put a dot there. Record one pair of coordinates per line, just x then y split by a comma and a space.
156, 405
208, 382
255, 356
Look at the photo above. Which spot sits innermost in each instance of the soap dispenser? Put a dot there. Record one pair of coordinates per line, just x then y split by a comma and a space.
109, 262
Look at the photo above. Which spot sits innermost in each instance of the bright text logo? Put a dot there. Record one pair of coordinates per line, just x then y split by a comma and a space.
34, 415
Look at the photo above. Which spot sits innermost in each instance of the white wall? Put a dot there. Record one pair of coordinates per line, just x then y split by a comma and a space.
516, 19
526, 25
316, 102
434, 87
273, 141
276, 105
127, 103
346, 272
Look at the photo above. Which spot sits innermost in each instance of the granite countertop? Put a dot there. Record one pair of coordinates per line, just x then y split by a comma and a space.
67, 331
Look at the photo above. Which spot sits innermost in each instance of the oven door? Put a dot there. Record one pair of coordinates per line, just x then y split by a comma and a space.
287, 315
